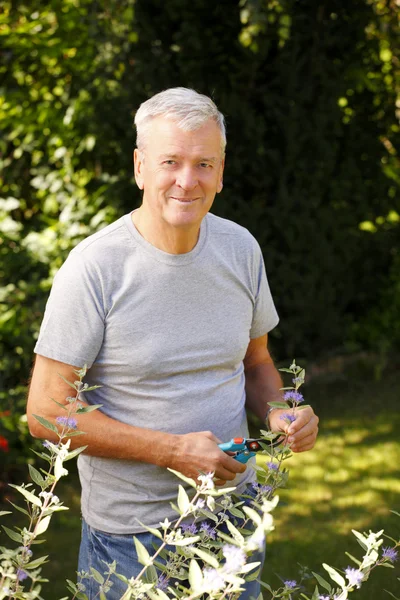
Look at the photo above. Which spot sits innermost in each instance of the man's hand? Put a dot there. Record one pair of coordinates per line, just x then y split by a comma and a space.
197, 453
302, 433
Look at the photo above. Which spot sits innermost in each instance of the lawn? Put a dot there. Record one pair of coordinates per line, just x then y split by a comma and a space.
350, 481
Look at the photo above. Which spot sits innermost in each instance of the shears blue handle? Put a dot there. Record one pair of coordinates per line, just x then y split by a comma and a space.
243, 454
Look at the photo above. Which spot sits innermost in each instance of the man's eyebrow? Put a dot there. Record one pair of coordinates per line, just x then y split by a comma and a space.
210, 159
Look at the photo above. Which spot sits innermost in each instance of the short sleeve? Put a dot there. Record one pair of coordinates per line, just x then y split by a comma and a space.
265, 316
72, 330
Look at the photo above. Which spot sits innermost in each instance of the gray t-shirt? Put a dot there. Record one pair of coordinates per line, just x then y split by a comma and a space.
165, 336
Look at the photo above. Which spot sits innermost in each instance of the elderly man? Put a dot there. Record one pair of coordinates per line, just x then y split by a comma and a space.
170, 309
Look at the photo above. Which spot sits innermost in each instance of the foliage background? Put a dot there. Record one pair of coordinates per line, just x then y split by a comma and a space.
311, 94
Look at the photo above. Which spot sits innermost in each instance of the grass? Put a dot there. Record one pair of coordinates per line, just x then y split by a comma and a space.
350, 481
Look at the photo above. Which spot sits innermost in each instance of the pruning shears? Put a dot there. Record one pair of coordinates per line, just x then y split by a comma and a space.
244, 448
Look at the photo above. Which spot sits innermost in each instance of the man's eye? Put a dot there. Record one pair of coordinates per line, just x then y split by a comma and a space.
205, 165
169, 162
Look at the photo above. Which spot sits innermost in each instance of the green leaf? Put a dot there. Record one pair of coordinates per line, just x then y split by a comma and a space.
46, 423
286, 370
238, 513
142, 554
71, 385
14, 535
6, 512
322, 582
186, 541
195, 575
20, 509
183, 500
71, 586
235, 533
249, 567
253, 514
358, 562
88, 409
152, 530
283, 405
184, 478
267, 586
151, 574
28, 495
37, 562
209, 514
335, 576
63, 406
36, 476
361, 539
74, 433
43, 525
96, 575
207, 557
74, 453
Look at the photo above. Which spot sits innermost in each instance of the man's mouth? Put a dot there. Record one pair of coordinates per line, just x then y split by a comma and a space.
184, 200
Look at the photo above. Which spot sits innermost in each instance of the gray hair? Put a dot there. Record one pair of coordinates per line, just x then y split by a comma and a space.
189, 109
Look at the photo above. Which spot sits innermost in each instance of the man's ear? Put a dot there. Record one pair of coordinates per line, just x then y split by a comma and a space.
221, 176
138, 168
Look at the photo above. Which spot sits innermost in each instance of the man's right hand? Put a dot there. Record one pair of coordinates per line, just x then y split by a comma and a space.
197, 453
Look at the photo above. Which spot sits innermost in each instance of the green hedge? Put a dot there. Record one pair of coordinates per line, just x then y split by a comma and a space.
309, 91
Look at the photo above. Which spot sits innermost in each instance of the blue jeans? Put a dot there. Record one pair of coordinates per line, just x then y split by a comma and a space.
98, 548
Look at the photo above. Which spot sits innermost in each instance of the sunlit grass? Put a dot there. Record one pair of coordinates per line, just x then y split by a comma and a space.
351, 480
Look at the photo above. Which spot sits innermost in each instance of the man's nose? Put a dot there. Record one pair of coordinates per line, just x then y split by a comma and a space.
186, 178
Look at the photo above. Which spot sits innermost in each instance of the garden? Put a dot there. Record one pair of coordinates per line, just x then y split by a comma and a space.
311, 95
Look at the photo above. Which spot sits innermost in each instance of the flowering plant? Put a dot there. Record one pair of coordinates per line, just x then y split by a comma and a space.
212, 540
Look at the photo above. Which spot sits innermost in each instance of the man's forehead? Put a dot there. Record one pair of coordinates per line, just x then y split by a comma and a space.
166, 137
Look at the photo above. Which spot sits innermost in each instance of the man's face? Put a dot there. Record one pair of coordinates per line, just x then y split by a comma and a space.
180, 172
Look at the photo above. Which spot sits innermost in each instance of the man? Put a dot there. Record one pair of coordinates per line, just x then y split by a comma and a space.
170, 309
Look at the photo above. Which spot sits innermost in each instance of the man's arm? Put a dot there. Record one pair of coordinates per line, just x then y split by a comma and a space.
189, 454
263, 383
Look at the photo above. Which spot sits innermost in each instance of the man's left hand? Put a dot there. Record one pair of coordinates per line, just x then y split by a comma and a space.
302, 433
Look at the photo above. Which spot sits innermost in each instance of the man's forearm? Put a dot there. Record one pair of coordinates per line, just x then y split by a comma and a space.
107, 437
263, 385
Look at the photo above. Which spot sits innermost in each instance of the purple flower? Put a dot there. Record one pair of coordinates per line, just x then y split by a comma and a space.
288, 417
290, 583
265, 489
21, 575
46, 444
255, 485
69, 422
162, 582
208, 530
323, 597
354, 576
273, 466
189, 528
390, 554
235, 558
293, 396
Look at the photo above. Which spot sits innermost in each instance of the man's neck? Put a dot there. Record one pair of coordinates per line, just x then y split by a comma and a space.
168, 239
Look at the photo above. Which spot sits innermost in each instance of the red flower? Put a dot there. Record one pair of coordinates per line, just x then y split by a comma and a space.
4, 444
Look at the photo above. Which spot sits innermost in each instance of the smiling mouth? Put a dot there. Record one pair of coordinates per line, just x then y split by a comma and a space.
184, 200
